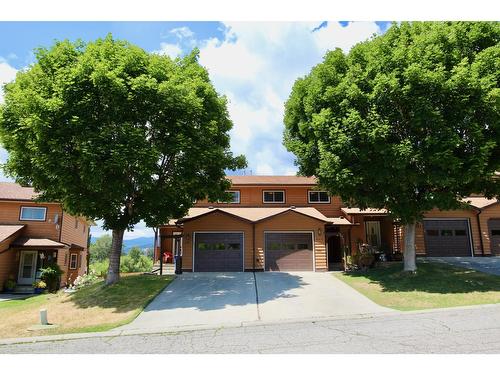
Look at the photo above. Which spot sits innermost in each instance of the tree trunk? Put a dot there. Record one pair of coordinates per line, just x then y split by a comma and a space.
114, 257
409, 257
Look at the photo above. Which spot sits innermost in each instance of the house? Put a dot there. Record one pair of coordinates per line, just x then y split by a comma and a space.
34, 234
284, 223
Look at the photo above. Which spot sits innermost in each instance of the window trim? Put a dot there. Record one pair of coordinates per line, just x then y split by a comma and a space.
36, 207
318, 202
273, 191
71, 261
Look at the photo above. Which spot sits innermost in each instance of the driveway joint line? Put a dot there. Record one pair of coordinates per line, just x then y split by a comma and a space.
256, 295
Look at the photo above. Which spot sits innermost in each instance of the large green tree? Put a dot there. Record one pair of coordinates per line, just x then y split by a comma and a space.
407, 121
117, 134
100, 249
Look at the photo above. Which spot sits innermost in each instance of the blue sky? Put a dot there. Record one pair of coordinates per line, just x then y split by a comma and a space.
253, 63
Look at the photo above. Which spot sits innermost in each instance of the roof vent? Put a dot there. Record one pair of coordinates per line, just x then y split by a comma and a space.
341, 217
292, 207
210, 207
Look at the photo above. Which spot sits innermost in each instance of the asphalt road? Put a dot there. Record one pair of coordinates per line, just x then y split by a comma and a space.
470, 330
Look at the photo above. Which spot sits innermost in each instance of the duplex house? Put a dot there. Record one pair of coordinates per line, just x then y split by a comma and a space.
286, 223
34, 234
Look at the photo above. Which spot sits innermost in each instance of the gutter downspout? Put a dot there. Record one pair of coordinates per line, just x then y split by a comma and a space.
480, 231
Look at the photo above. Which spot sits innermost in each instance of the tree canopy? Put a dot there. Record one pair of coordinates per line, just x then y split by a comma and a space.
117, 134
407, 121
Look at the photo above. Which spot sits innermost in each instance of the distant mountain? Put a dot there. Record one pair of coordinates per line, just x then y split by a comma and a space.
142, 242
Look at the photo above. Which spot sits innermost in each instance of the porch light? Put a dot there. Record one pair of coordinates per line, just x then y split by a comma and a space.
42, 256
319, 231
54, 254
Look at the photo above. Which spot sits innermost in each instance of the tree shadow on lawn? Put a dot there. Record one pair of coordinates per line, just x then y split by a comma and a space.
130, 293
430, 278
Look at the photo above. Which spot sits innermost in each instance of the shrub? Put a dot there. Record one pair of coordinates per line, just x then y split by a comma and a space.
39, 284
85, 280
100, 269
10, 284
128, 264
51, 275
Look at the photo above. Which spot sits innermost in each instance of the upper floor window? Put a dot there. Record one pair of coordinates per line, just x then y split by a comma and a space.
273, 196
318, 197
76, 223
33, 213
235, 196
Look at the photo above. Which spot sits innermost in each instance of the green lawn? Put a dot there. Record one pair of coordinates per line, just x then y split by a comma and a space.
91, 309
433, 286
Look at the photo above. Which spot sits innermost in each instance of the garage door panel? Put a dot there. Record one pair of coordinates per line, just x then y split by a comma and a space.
447, 238
218, 252
289, 252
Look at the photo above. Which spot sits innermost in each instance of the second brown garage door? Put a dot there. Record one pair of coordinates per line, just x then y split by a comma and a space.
289, 252
447, 238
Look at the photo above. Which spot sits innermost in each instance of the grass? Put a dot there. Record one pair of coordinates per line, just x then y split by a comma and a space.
433, 286
92, 309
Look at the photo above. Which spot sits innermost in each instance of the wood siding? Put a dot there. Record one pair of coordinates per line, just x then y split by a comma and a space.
10, 211
216, 222
251, 196
65, 232
491, 212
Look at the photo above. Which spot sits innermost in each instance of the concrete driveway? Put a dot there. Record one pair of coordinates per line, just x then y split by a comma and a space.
483, 264
228, 299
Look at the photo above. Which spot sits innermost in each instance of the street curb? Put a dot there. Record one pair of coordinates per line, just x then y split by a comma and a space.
116, 332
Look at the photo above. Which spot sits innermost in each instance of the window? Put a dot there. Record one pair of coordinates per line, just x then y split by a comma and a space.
495, 232
73, 261
319, 197
460, 232
235, 196
33, 213
446, 232
432, 232
372, 229
76, 223
277, 196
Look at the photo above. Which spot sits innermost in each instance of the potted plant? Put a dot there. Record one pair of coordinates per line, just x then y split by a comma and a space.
39, 286
9, 286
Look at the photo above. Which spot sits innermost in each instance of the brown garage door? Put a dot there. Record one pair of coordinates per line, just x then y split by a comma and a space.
218, 252
447, 238
494, 228
289, 252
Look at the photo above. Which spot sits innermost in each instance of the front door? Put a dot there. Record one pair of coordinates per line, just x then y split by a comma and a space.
27, 267
334, 251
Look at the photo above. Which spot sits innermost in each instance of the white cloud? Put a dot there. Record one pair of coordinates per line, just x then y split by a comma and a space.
255, 65
171, 50
182, 32
7, 74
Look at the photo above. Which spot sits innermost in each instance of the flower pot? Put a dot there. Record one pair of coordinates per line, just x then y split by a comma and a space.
38, 290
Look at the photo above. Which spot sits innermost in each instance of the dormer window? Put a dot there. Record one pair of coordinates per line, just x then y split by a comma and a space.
33, 213
273, 196
318, 197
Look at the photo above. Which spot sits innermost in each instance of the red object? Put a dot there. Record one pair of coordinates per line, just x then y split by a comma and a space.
167, 257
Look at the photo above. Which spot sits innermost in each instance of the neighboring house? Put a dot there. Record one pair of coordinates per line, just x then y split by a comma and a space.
285, 223
34, 234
